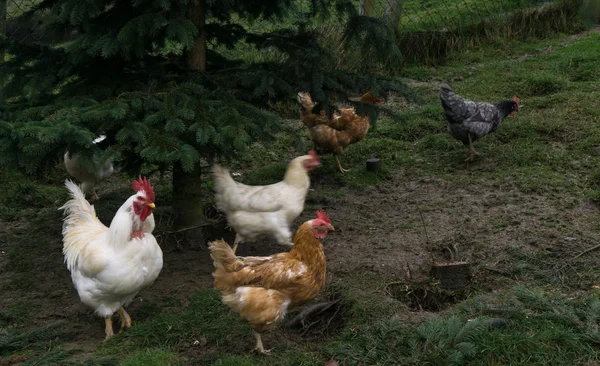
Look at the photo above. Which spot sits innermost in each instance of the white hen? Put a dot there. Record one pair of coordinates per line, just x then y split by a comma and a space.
88, 176
109, 265
256, 211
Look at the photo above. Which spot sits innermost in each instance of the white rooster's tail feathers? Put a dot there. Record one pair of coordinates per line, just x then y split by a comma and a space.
80, 225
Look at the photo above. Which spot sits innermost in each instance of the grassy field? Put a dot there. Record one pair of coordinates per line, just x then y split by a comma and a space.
520, 215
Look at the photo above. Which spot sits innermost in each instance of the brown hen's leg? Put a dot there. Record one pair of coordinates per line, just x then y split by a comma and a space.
259, 345
108, 328
125, 320
337, 159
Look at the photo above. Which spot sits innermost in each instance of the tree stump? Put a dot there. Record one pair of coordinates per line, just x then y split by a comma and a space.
373, 164
453, 275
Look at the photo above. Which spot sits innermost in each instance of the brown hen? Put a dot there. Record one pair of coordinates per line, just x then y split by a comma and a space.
261, 289
334, 134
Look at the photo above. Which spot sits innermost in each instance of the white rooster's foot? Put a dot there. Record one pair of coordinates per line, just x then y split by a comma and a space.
108, 328
126, 322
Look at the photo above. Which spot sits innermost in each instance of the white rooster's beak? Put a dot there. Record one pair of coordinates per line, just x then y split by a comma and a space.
151, 205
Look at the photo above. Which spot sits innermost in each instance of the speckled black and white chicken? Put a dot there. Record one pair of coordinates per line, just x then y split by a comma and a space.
468, 121
88, 176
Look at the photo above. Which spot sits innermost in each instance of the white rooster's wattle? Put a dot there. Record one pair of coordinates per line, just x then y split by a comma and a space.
110, 265
88, 176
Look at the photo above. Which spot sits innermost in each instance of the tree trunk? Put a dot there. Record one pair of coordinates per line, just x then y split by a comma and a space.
187, 187
367, 7
197, 57
393, 13
3, 4
187, 198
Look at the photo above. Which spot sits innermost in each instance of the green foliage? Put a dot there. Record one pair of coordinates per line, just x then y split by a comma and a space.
436, 342
537, 327
34, 339
155, 357
543, 85
204, 318
124, 73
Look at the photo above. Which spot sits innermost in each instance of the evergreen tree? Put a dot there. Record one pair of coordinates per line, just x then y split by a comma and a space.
162, 79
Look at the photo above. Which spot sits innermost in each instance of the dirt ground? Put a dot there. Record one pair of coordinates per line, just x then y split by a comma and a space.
395, 229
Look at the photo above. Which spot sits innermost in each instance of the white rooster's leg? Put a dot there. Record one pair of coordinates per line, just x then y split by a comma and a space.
237, 240
109, 327
259, 345
125, 320
337, 159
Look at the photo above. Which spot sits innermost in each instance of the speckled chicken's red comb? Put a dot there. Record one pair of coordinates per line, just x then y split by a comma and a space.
323, 216
143, 184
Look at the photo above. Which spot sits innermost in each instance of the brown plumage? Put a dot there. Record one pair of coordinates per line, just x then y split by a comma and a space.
261, 289
334, 134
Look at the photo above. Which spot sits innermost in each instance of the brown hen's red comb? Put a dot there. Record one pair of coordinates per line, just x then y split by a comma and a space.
323, 216
143, 184
314, 155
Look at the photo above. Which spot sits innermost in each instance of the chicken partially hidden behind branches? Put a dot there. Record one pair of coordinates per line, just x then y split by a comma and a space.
109, 265
469, 121
345, 127
257, 211
88, 176
261, 289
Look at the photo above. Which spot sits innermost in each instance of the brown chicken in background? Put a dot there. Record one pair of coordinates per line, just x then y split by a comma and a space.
334, 134
261, 289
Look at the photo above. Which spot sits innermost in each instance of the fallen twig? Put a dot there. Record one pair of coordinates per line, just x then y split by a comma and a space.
183, 229
578, 255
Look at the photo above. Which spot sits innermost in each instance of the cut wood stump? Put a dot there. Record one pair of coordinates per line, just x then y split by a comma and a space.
452, 275
373, 165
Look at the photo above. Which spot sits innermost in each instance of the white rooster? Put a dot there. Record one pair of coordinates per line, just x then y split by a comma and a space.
256, 211
110, 265
88, 176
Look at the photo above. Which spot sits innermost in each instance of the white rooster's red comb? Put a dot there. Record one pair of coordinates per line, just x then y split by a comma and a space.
314, 155
143, 184
323, 216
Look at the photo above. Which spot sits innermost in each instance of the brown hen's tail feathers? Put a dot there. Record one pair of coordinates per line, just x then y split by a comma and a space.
262, 307
223, 255
305, 100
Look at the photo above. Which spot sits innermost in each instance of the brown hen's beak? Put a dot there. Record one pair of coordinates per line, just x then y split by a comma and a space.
151, 205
